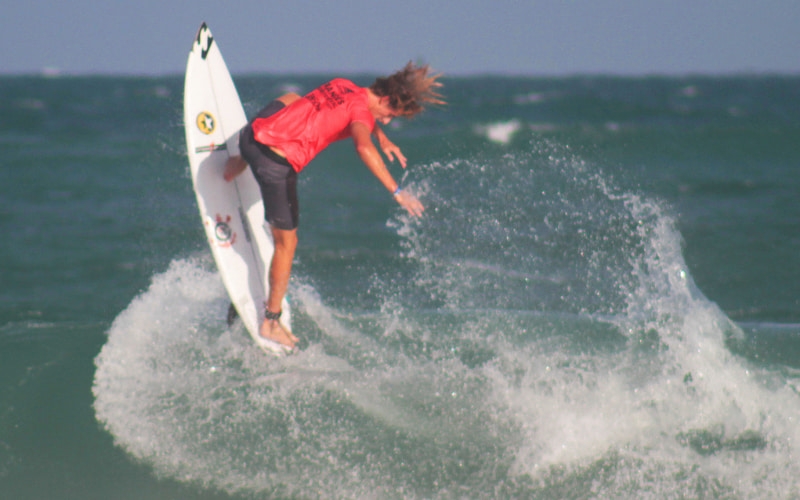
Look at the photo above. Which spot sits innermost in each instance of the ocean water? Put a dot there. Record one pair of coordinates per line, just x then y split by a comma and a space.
602, 300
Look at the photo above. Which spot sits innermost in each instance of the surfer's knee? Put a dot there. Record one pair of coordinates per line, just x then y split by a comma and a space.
284, 239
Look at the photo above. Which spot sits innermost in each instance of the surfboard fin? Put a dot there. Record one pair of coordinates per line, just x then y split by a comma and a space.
232, 315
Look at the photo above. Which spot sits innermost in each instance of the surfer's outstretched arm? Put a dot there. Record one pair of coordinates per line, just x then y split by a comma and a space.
372, 159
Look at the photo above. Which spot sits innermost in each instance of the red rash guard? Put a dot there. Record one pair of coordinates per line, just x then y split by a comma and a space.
308, 125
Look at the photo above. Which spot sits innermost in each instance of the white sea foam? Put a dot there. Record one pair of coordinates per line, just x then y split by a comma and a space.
676, 402
476, 396
530, 98
198, 402
674, 409
500, 132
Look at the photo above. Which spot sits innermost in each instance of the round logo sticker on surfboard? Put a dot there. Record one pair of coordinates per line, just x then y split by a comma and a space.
223, 232
206, 122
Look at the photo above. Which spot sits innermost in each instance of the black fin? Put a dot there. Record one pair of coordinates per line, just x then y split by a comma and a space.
232, 315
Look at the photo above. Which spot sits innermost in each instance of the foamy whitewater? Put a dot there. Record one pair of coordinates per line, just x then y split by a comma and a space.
564, 321
622, 383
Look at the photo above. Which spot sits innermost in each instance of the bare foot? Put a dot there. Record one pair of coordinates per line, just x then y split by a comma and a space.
271, 329
233, 167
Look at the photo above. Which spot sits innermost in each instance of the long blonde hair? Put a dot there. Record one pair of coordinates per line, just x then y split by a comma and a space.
409, 89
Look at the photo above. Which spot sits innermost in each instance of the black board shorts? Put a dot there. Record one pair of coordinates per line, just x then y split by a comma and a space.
275, 176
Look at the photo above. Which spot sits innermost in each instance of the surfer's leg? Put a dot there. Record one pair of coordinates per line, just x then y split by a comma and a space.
278, 183
279, 272
281, 267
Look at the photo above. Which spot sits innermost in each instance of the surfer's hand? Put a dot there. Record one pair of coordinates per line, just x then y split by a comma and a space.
233, 167
391, 150
409, 202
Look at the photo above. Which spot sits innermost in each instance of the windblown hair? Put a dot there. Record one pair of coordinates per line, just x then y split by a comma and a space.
409, 89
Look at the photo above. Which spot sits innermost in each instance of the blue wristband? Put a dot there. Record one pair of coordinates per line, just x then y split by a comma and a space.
397, 191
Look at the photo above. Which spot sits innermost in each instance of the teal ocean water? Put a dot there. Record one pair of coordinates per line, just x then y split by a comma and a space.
601, 301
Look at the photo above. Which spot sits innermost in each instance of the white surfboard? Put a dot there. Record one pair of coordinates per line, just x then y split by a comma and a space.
232, 212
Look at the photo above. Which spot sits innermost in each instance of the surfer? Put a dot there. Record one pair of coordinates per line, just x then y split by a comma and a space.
291, 130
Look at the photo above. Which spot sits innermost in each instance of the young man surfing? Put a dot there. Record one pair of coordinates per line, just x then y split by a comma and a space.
291, 130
